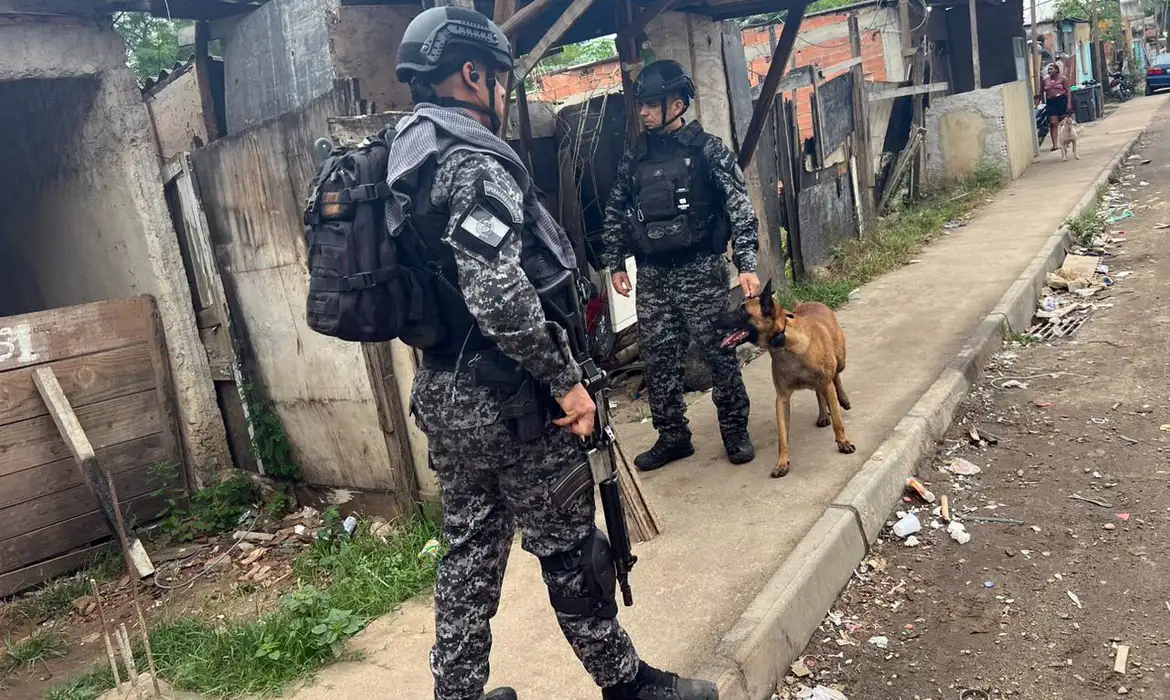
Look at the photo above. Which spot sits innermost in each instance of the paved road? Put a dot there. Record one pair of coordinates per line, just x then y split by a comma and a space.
996, 614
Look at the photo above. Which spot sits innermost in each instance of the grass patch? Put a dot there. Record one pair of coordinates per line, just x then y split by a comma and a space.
37, 648
211, 511
1087, 225
86, 687
51, 601
346, 582
894, 240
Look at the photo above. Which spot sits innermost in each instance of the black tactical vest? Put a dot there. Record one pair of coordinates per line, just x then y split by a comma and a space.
457, 331
676, 212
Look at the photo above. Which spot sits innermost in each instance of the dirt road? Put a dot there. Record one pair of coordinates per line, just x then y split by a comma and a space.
1042, 609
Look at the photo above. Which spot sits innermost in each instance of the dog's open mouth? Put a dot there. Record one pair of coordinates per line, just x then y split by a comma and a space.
734, 339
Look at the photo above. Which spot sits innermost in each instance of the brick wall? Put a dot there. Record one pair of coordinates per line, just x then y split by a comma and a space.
583, 80
823, 52
823, 40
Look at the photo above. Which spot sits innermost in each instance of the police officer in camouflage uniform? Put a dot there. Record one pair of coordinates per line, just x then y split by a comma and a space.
679, 195
465, 200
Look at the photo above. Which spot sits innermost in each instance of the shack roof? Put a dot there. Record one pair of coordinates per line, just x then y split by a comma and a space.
176, 9
601, 18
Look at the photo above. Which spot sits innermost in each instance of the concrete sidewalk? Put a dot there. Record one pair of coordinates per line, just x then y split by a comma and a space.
746, 562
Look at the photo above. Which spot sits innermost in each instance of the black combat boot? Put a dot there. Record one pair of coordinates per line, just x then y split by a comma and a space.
663, 453
739, 448
652, 684
501, 694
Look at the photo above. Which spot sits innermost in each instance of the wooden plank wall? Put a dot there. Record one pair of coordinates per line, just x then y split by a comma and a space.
111, 362
254, 184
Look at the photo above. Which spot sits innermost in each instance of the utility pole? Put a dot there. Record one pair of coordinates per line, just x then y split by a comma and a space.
975, 42
1095, 40
1034, 55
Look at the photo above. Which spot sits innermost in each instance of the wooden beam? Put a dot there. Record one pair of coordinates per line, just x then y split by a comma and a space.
504, 11
646, 17
973, 4
771, 83
203, 78
628, 56
83, 454
861, 146
797, 78
524, 16
908, 90
525, 126
563, 24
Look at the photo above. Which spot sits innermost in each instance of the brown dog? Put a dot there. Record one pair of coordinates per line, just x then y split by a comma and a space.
808, 352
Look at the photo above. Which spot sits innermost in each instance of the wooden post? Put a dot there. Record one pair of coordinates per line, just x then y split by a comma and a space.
504, 11
629, 57
563, 24
1095, 41
917, 119
771, 82
525, 125
1034, 54
203, 78
972, 5
524, 17
904, 21
861, 124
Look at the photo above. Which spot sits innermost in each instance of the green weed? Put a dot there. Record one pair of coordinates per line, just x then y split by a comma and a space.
894, 240
270, 442
1010, 336
213, 510
85, 687
349, 581
37, 648
1086, 225
51, 601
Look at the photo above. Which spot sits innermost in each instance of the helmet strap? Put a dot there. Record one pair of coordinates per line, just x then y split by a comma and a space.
665, 123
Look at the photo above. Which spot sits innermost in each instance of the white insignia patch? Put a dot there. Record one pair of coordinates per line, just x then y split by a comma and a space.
483, 225
501, 195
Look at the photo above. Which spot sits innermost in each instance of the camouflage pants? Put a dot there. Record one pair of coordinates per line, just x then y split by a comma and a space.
675, 304
490, 483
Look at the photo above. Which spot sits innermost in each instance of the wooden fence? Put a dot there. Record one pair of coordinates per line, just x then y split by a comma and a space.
110, 359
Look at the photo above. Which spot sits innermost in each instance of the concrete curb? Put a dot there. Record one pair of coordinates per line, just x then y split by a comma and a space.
756, 652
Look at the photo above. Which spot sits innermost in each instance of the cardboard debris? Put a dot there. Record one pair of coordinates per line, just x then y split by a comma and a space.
1076, 273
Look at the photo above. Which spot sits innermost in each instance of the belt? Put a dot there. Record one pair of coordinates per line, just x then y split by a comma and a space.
490, 362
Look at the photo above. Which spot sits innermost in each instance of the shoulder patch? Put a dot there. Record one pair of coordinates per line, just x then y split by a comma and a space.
482, 232
503, 197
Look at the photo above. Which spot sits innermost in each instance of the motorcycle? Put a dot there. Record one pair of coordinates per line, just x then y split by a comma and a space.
1120, 86
1041, 122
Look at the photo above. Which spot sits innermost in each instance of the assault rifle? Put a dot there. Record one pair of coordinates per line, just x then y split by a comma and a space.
562, 301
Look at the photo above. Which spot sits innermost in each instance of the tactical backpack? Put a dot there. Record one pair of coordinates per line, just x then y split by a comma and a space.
360, 287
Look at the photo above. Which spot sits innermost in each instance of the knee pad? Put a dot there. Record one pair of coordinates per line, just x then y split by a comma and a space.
594, 560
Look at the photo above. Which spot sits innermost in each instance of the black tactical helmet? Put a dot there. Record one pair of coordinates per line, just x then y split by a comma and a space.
663, 78
442, 38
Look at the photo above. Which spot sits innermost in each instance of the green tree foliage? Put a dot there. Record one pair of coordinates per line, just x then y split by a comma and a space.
1108, 14
152, 44
591, 51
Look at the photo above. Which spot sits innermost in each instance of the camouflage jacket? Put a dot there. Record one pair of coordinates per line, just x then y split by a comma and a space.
479, 195
727, 177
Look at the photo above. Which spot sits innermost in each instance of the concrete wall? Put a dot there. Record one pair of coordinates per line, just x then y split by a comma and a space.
81, 201
1020, 124
277, 59
288, 52
177, 112
990, 125
364, 41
